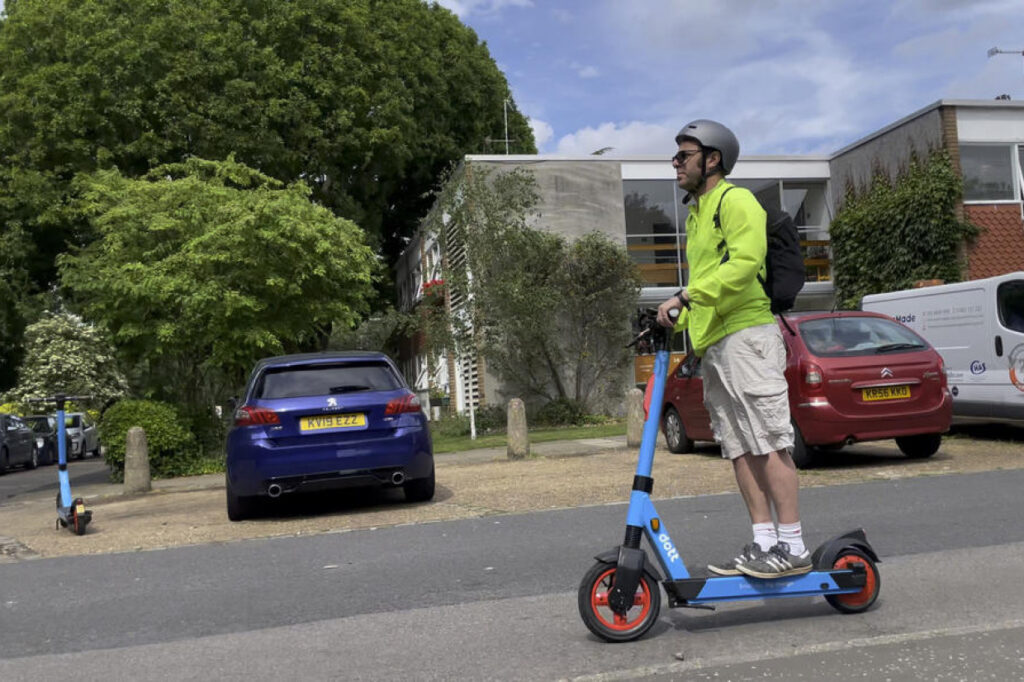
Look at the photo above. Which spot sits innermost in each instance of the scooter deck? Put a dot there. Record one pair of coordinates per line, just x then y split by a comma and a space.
698, 591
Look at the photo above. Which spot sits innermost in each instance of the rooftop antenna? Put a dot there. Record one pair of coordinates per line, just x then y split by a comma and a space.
993, 51
506, 139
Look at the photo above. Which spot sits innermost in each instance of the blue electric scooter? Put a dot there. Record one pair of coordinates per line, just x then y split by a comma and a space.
619, 598
71, 513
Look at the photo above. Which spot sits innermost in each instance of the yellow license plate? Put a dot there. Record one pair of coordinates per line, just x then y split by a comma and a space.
80, 509
885, 393
332, 421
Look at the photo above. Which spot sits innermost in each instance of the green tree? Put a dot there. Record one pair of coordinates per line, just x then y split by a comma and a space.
365, 101
203, 267
914, 217
64, 354
550, 316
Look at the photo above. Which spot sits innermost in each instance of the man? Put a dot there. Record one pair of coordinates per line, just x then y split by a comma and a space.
734, 331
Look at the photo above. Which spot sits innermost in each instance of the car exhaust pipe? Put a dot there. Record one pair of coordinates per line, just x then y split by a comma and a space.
398, 478
274, 490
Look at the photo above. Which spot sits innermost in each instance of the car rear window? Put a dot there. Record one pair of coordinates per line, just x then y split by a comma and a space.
38, 424
851, 336
293, 382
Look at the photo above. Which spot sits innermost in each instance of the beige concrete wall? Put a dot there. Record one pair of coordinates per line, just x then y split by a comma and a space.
889, 152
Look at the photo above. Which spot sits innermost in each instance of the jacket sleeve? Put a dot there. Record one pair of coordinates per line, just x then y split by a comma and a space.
683, 321
743, 226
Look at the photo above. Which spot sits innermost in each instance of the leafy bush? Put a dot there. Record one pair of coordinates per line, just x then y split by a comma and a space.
562, 412
450, 426
171, 447
492, 419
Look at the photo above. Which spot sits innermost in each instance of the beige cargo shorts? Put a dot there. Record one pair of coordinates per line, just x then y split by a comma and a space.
746, 393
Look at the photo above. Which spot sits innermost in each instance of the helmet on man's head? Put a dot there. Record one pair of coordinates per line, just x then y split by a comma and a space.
713, 135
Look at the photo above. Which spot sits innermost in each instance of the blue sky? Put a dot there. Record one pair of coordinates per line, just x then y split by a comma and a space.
790, 77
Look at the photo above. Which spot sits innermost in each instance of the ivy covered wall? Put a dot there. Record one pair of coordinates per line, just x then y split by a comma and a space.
900, 231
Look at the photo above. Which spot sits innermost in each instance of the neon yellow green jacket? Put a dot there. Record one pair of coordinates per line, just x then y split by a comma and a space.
725, 297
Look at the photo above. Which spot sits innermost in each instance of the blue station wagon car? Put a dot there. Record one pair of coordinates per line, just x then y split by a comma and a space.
328, 420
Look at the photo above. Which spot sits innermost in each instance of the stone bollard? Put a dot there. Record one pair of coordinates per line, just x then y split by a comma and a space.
136, 462
518, 436
634, 417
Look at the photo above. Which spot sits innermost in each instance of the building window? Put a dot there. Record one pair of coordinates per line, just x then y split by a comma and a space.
654, 220
988, 172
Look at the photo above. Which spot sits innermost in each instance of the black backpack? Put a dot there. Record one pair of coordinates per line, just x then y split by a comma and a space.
784, 262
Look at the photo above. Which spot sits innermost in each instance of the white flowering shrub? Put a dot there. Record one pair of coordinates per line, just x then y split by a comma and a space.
65, 355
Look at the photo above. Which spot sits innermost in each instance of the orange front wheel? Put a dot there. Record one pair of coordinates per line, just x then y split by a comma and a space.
606, 623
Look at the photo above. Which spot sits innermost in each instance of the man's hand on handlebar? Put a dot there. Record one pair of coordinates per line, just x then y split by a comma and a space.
675, 303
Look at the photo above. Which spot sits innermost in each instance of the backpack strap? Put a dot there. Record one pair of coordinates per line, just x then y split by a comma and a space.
718, 224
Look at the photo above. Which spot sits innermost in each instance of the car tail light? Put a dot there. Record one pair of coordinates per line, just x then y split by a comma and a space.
812, 375
407, 403
251, 416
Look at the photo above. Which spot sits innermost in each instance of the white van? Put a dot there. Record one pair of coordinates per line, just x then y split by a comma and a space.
978, 327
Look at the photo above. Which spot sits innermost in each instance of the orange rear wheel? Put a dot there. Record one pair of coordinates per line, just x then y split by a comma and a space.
856, 602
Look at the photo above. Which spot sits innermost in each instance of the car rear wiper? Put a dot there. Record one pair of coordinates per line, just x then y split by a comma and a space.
897, 346
349, 388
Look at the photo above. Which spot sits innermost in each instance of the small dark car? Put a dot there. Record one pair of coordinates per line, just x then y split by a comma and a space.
328, 420
853, 376
44, 427
17, 444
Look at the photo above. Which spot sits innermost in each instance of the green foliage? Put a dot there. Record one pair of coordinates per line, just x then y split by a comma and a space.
450, 426
901, 232
201, 268
363, 101
550, 316
491, 419
562, 412
381, 331
65, 355
171, 447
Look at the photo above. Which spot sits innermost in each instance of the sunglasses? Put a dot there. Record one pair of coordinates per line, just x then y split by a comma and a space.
682, 156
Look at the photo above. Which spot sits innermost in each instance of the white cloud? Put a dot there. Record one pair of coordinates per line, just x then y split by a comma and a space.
589, 72
542, 132
632, 138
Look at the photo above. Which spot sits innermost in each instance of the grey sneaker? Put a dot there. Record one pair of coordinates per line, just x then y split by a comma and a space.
730, 567
777, 562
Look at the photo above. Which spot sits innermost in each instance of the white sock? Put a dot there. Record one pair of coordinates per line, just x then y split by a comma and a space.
790, 533
765, 535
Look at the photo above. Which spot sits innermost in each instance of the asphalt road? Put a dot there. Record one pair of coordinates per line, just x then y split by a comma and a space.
23, 482
494, 598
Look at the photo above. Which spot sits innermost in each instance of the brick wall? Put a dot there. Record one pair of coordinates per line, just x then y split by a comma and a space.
999, 248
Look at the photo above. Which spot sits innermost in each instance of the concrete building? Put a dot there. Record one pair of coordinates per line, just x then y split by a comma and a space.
635, 202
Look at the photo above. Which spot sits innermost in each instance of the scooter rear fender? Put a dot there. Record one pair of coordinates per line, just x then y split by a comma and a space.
825, 556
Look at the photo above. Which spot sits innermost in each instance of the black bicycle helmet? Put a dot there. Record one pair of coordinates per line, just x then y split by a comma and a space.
713, 135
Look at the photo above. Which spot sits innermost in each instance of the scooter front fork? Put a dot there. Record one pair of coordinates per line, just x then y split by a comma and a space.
628, 568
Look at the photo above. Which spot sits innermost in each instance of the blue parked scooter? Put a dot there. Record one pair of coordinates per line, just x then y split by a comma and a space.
619, 597
71, 513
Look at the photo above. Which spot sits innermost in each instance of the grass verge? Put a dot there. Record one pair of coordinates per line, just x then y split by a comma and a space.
444, 443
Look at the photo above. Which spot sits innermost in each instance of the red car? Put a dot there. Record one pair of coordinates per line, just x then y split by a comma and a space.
853, 376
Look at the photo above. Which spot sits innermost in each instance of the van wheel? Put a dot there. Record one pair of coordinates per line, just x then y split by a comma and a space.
803, 456
919, 447
675, 433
